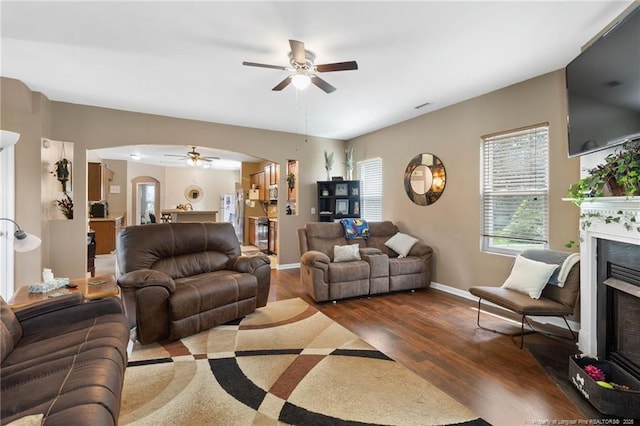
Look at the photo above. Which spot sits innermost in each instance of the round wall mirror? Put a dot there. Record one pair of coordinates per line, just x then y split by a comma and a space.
193, 193
424, 179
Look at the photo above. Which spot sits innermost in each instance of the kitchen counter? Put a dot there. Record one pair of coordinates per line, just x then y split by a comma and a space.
111, 217
106, 231
191, 215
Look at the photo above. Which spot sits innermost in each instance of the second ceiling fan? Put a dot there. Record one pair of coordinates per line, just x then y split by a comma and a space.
303, 69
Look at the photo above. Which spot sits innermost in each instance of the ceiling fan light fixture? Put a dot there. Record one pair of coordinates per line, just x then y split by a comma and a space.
301, 81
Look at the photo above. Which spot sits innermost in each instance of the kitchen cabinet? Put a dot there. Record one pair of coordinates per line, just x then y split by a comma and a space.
338, 200
99, 177
106, 231
273, 236
274, 173
258, 179
253, 232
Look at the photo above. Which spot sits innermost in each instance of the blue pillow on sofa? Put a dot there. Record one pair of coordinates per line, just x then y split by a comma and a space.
355, 228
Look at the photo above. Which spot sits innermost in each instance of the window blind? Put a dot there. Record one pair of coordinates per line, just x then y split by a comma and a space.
370, 175
515, 188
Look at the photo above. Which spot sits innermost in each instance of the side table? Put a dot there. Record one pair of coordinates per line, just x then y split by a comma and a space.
92, 288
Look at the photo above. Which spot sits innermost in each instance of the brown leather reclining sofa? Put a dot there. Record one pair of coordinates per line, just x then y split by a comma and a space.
64, 359
178, 279
380, 269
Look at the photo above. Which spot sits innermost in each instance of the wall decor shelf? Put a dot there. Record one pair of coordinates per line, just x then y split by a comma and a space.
338, 200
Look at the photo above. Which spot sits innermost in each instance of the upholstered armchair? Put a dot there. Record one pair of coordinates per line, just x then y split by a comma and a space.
178, 279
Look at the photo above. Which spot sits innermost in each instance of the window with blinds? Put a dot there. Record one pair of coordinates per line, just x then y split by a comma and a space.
370, 176
515, 190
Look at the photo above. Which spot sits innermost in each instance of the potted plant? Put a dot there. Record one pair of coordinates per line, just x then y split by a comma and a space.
618, 176
328, 163
291, 181
66, 206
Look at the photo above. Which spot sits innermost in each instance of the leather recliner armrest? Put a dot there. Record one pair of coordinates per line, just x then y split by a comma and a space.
65, 310
49, 305
248, 264
145, 278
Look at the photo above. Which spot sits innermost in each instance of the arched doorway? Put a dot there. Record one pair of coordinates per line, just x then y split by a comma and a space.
145, 199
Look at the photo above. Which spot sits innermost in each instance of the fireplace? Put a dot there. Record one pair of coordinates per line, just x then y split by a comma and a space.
595, 329
610, 304
618, 304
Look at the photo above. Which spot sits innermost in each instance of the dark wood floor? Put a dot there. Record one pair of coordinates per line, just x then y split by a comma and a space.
435, 335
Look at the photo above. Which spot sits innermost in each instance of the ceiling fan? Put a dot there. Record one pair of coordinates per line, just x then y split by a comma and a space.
303, 69
194, 157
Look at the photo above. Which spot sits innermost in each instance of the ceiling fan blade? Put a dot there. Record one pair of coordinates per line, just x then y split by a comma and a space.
297, 51
322, 84
255, 64
338, 66
284, 83
175, 155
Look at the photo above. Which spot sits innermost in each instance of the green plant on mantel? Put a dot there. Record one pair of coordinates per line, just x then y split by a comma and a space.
618, 176
627, 219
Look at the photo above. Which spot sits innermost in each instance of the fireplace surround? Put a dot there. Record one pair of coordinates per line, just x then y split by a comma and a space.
600, 232
618, 304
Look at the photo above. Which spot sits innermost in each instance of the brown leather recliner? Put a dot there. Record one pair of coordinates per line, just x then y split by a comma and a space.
63, 359
178, 279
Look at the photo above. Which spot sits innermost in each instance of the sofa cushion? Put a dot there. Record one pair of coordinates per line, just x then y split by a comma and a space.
379, 233
177, 249
196, 294
348, 271
406, 266
529, 276
401, 243
346, 253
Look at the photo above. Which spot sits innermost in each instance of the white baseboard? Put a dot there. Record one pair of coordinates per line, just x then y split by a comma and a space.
288, 266
575, 326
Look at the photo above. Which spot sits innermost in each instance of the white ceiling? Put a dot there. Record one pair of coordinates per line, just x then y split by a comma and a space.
184, 59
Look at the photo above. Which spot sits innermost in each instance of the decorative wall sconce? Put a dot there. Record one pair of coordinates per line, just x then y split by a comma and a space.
8, 138
24, 242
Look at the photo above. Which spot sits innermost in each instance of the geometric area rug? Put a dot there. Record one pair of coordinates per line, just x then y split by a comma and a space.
284, 364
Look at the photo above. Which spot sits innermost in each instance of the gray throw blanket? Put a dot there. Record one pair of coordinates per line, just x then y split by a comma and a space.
564, 260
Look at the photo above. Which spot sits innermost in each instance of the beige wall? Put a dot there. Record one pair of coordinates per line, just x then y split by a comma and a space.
452, 224
34, 116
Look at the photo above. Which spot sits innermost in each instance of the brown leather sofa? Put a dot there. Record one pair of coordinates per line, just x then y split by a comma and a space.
178, 279
64, 359
380, 269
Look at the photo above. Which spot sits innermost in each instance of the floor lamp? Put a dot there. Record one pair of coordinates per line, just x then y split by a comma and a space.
24, 242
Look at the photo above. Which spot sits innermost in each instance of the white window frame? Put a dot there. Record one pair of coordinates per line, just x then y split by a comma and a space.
7, 205
370, 189
514, 181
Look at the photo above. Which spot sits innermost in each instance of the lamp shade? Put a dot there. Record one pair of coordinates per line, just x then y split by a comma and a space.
28, 243
24, 242
8, 138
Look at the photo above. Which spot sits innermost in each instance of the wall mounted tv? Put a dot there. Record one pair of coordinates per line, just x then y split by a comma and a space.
603, 90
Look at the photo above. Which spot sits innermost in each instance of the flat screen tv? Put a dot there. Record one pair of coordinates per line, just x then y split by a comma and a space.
603, 90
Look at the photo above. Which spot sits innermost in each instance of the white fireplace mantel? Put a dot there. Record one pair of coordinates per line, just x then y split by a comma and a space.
595, 210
